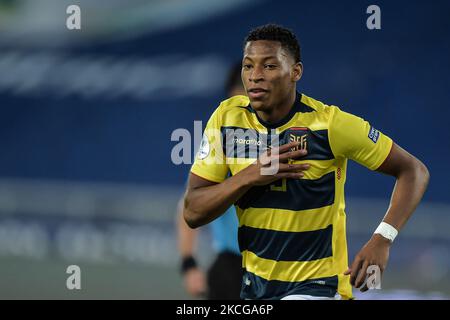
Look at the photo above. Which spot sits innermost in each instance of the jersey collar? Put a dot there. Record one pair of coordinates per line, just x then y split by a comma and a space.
294, 109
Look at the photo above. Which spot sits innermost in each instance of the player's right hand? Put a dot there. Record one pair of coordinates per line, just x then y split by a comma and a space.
195, 282
273, 165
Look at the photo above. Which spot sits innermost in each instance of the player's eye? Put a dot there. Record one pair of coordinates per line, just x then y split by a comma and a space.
270, 66
246, 66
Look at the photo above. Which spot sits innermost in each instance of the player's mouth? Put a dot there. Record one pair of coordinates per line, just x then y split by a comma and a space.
256, 93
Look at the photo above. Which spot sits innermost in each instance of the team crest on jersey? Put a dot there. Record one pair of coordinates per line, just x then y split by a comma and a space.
298, 135
203, 151
374, 134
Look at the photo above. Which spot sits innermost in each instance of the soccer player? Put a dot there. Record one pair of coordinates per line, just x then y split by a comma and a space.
291, 220
224, 277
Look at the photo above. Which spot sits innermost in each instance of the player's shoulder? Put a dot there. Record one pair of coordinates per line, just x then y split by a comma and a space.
234, 102
229, 110
232, 108
322, 112
317, 105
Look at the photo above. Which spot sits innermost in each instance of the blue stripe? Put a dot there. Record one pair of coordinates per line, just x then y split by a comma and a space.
254, 287
235, 139
301, 194
287, 246
318, 146
250, 144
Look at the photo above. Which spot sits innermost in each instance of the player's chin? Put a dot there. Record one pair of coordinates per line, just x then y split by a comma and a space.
258, 104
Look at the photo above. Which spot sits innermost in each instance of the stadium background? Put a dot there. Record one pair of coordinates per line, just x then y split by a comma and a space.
86, 119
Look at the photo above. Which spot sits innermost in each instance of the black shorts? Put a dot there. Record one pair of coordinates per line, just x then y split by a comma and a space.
225, 277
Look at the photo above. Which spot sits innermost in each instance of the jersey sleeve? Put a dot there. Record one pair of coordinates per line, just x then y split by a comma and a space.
354, 138
210, 162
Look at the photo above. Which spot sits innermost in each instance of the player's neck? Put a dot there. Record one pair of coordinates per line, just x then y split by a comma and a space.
278, 112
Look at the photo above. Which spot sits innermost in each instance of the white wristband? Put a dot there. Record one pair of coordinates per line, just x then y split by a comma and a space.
387, 231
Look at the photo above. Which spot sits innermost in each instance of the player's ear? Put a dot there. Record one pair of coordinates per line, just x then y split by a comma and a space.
297, 71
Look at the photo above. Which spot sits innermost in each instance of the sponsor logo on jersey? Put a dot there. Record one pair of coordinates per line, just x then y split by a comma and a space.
247, 141
298, 135
203, 152
374, 134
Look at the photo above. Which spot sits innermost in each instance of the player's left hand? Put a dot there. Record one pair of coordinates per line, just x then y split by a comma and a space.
374, 252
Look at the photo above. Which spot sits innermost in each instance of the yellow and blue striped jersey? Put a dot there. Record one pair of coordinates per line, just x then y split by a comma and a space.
291, 233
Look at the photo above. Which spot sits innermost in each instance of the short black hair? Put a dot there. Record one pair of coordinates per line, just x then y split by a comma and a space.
234, 77
275, 32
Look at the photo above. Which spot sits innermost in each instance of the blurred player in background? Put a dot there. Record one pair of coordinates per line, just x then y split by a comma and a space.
292, 220
224, 277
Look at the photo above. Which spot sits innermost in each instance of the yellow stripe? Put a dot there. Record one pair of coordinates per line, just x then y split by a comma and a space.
317, 169
239, 117
235, 118
233, 115
286, 220
287, 270
205, 174
344, 286
312, 121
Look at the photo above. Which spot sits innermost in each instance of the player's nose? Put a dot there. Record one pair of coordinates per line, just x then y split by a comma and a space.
256, 75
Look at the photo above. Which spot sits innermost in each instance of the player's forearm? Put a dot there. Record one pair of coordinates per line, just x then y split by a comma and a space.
203, 205
408, 191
